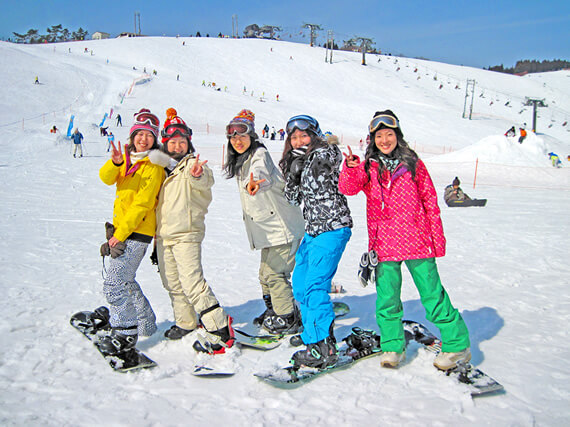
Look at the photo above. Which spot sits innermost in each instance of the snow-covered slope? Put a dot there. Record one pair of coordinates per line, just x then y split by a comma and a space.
506, 267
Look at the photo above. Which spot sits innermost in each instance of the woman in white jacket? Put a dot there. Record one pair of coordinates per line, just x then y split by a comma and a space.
272, 224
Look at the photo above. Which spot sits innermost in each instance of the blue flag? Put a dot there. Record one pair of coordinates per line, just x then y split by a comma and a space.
70, 127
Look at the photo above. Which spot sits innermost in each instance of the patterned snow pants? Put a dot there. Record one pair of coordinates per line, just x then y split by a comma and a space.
128, 306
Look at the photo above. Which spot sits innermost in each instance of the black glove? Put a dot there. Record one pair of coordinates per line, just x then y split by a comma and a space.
154, 257
296, 169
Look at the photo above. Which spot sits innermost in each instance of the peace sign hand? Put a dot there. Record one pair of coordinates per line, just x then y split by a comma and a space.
253, 185
352, 161
117, 155
197, 169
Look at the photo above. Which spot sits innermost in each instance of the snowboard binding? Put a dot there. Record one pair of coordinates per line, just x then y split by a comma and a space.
362, 342
91, 322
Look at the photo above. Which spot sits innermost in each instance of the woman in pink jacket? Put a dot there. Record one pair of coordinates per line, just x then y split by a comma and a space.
404, 225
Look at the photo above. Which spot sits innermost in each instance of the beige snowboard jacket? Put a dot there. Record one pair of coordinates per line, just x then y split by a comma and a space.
183, 203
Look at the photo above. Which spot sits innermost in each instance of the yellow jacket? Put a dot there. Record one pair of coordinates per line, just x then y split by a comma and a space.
137, 195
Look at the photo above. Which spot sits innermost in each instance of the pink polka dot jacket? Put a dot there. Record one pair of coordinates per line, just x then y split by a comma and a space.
402, 213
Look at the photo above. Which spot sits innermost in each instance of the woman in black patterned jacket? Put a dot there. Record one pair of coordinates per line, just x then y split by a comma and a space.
311, 164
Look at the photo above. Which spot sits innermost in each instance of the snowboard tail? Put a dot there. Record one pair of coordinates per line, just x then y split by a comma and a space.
130, 360
478, 382
269, 342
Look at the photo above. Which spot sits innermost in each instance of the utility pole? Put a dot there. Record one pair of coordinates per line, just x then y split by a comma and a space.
535, 104
235, 33
138, 15
329, 45
314, 28
365, 44
469, 92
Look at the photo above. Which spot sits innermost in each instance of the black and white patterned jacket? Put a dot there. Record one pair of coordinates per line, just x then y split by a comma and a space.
324, 207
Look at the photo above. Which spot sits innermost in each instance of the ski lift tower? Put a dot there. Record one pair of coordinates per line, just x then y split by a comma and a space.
469, 93
535, 104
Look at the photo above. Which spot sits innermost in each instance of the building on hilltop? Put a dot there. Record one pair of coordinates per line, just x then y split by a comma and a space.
100, 35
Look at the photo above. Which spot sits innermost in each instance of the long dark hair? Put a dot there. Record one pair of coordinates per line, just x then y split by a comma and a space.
402, 152
287, 157
131, 147
235, 160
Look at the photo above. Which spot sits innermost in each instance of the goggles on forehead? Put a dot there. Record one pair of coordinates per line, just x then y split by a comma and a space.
146, 118
238, 129
303, 122
383, 119
174, 129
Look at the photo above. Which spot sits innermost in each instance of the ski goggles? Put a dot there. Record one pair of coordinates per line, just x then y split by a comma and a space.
303, 123
146, 119
176, 129
383, 119
240, 129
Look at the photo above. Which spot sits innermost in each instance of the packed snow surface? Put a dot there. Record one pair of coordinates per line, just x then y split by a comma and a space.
506, 267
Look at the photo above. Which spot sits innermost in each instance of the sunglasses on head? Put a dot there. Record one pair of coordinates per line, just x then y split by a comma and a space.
238, 129
146, 118
385, 120
302, 123
174, 129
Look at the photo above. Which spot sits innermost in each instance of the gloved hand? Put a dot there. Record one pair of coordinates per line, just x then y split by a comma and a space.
118, 249
154, 257
296, 169
115, 251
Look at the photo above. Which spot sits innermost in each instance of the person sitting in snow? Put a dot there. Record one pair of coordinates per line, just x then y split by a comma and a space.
555, 159
511, 132
453, 192
523, 135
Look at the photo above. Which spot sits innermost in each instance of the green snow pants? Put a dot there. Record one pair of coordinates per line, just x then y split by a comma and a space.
439, 310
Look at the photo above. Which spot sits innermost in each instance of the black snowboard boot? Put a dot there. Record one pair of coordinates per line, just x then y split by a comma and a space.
176, 332
258, 321
320, 355
116, 343
284, 324
216, 342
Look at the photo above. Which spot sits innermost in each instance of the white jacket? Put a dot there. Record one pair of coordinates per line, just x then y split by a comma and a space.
269, 218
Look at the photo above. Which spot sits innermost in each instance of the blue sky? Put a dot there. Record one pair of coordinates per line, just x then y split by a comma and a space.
476, 33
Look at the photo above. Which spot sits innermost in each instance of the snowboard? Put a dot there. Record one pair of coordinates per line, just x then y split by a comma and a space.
360, 344
130, 360
210, 371
478, 382
269, 342
466, 203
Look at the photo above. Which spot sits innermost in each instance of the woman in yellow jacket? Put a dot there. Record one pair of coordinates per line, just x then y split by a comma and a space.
138, 183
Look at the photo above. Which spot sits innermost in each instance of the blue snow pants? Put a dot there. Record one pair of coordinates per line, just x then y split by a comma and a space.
128, 306
316, 262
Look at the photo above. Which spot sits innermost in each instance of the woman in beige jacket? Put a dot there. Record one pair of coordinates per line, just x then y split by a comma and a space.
182, 206
272, 224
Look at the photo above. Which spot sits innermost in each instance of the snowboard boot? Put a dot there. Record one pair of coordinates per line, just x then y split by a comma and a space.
447, 361
296, 341
176, 332
391, 359
320, 355
258, 321
116, 343
285, 324
215, 342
